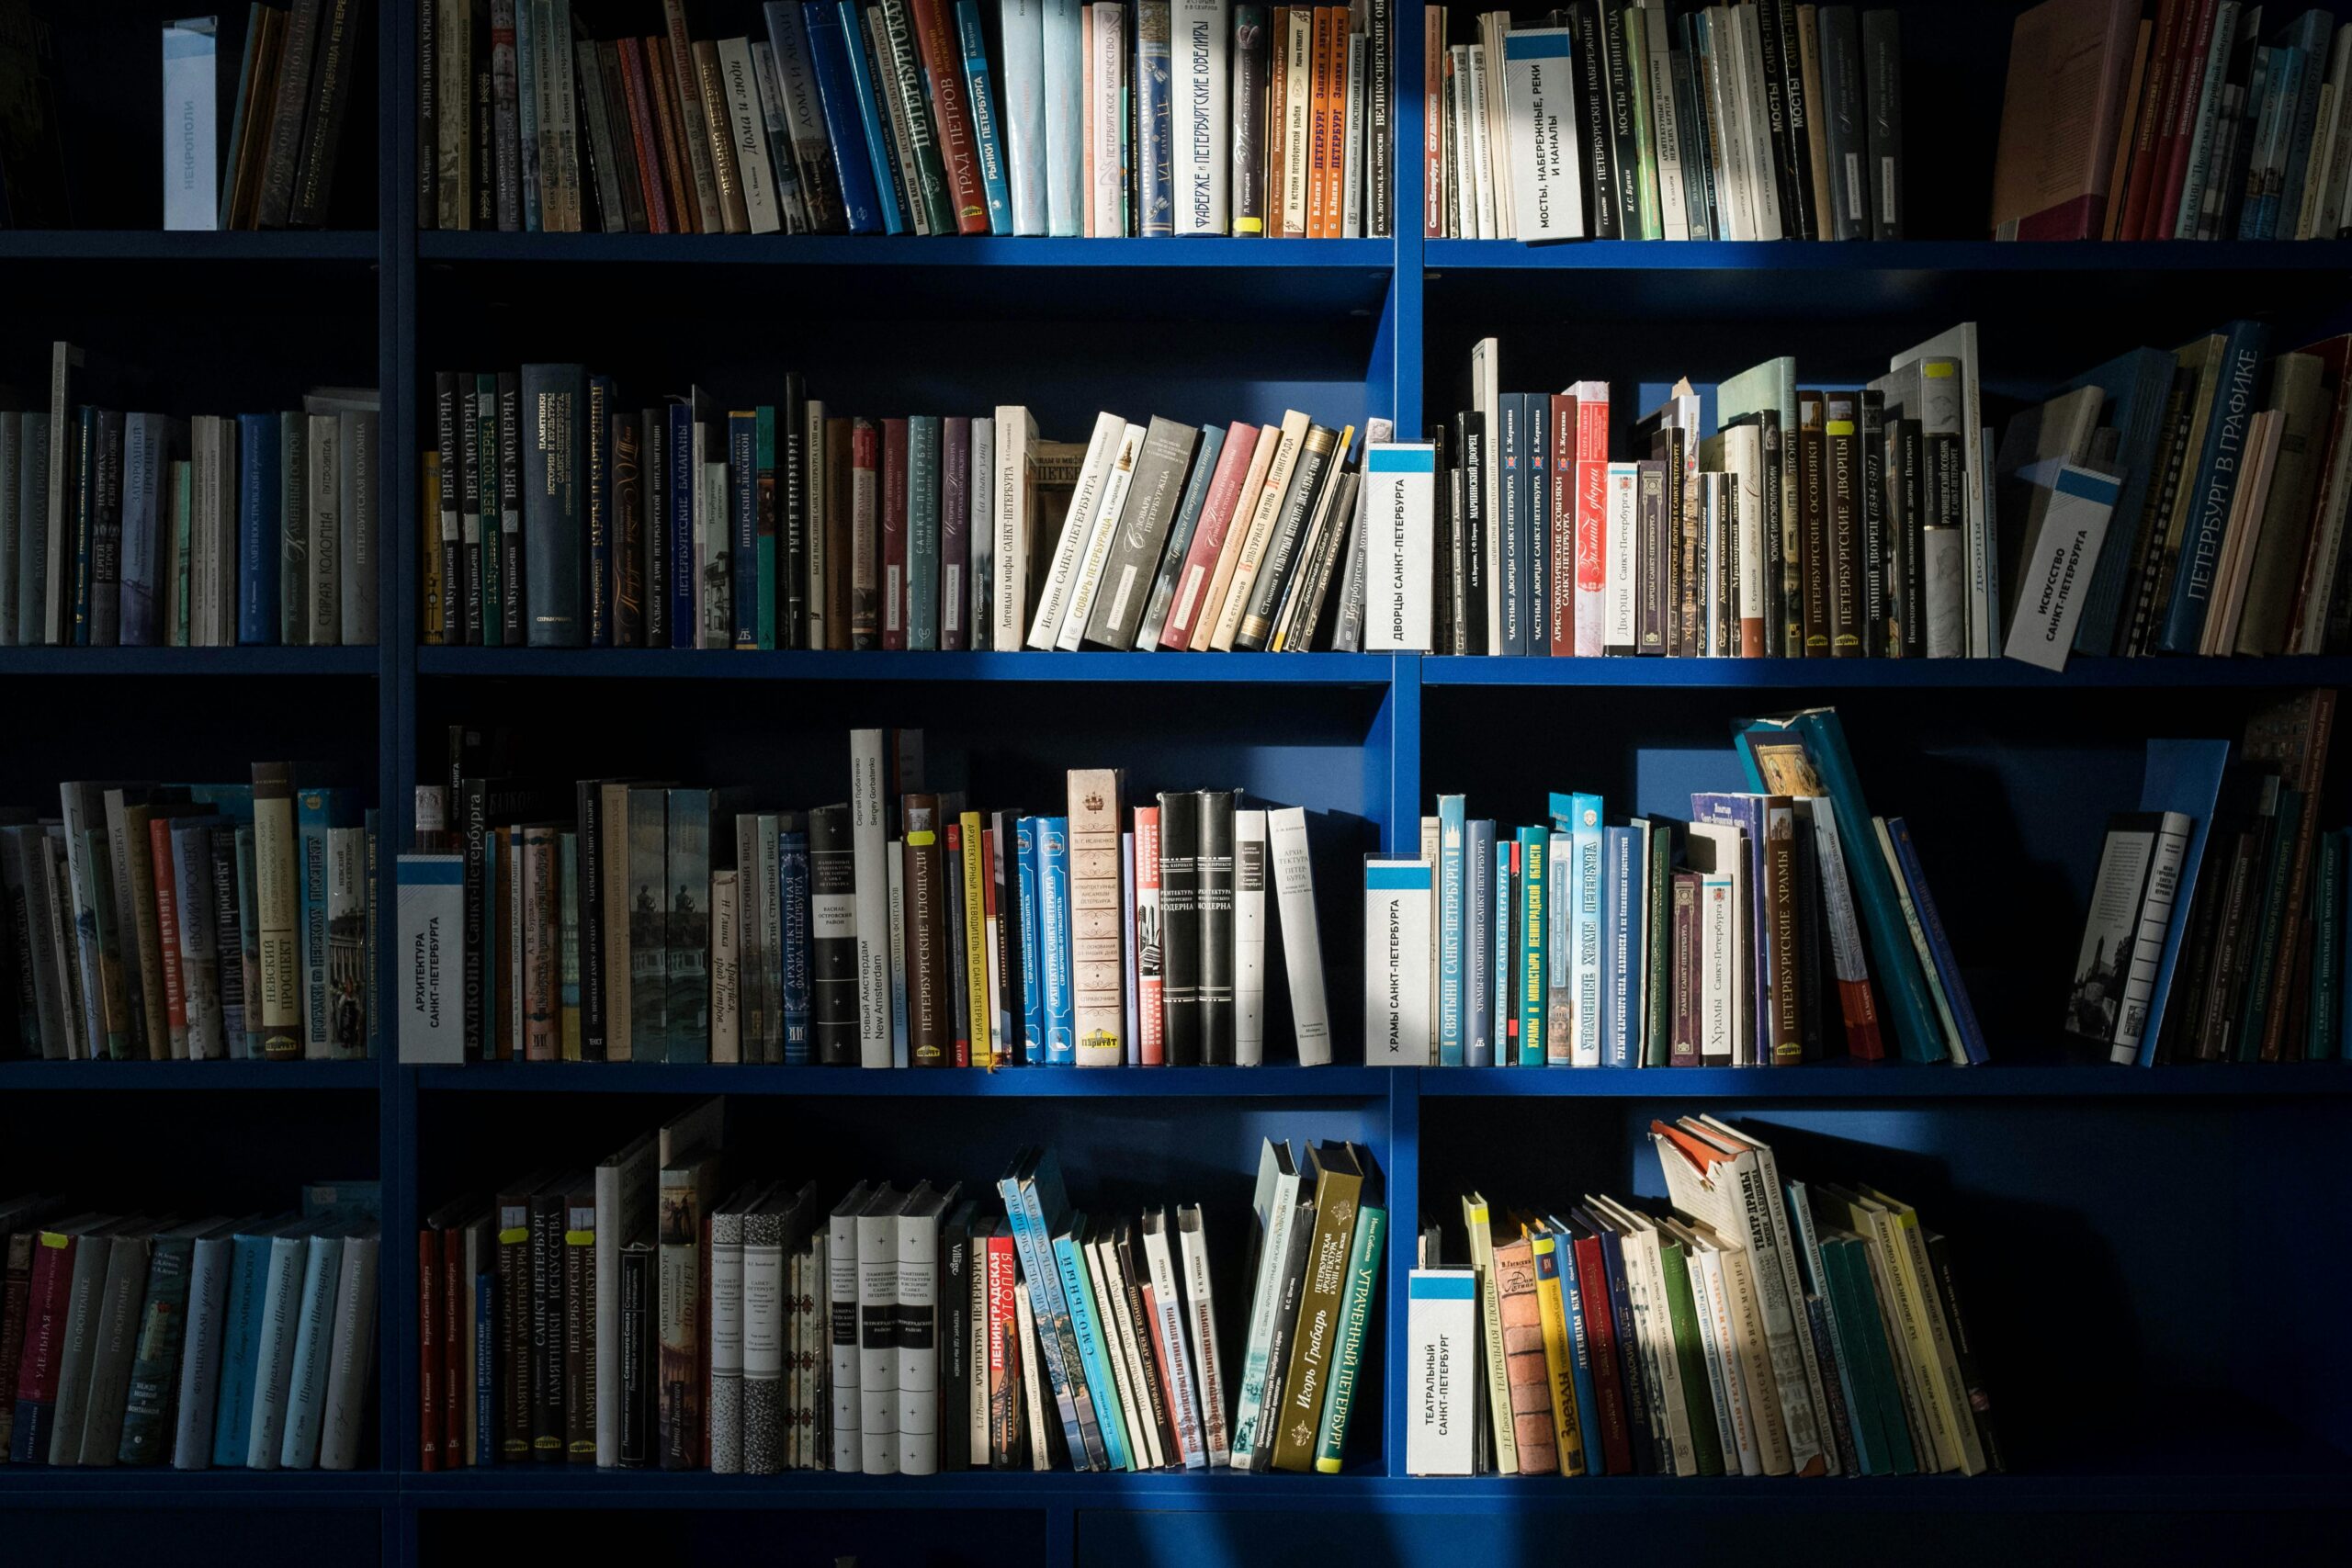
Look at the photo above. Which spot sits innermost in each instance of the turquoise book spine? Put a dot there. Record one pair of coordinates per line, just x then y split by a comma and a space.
922, 532
306, 1399
1453, 890
316, 813
232, 1407
1085, 1321
1533, 920
1054, 951
1355, 1327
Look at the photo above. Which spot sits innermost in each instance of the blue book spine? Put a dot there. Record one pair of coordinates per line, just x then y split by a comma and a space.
527, 45
313, 1331
1035, 1250
1618, 997
1630, 1376
1021, 26
485, 1366
1579, 1348
2238, 385
257, 485
140, 600
978, 91
1963, 1012
1453, 891
870, 114
1054, 955
743, 524
1504, 961
1533, 919
792, 881
2312, 32
1032, 997
1155, 184
232, 1408
685, 627
1510, 449
1538, 421
922, 532
845, 126
1064, 80
1478, 944
1585, 839
1085, 1322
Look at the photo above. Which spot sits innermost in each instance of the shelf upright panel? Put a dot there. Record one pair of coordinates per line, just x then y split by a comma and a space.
1406, 220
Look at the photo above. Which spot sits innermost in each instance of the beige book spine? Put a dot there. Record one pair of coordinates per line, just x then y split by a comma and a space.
1097, 951
1262, 517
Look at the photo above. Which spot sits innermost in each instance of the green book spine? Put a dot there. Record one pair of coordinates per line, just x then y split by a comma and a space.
1645, 140
1877, 1353
1691, 1356
1864, 1409
1355, 1323
922, 530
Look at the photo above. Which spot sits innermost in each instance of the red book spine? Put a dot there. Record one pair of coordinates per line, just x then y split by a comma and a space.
1150, 987
1004, 1355
998, 1050
1208, 538
167, 925
431, 1425
644, 145
456, 1300
955, 532
943, 61
1562, 611
2180, 126
1592, 519
2147, 132
1434, 213
1600, 1334
895, 598
45, 1320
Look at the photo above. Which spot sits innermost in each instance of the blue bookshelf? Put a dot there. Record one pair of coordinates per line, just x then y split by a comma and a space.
2161, 1293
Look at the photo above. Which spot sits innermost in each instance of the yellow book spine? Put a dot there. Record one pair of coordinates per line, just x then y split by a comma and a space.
976, 947
1559, 1357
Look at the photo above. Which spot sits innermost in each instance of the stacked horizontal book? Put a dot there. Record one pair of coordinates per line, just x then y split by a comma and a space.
909, 116
142, 1341
197, 921
626, 921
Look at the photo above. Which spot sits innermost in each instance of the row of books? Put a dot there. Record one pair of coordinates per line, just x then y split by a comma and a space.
197, 921
929, 117
1750, 935
146, 530
2172, 119
253, 115
1838, 523
1751, 1325
631, 1317
552, 517
2217, 917
142, 1340
1649, 119
654, 922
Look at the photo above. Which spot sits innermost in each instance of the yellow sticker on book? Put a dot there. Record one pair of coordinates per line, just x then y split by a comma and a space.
580, 1238
513, 1235
922, 840
1841, 427
1939, 369
56, 1238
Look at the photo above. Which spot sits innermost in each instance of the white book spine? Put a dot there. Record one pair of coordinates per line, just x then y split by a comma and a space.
281, 1314
2056, 566
1482, 153
1119, 1349
894, 851
1201, 35
208, 1301
917, 1338
1717, 959
1200, 1322
1061, 574
748, 129
1032, 1381
1065, 120
2148, 947
1665, 116
878, 1354
313, 1338
1293, 875
982, 475
1440, 1336
1353, 134
191, 128
1621, 549
1023, 87
1720, 87
1457, 113
1702, 1310
1009, 490
726, 1329
1763, 186
1274, 1255
841, 1292
1167, 1310
1400, 484
1249, 869
1396, 963
352, 1360
1539, 118
726, 966
1102, 535
868, 814
1740, 1391
1106, 121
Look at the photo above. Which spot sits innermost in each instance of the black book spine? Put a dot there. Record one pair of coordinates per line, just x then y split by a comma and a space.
1454, 626
1796, 111
339, 39
428, 113
1133, 1276
547, 1328
1656, 546
593, 486
1180, 926
1324, 570
1380, 129
591, 856
484, 188
1251, 53
1592, 123
1875, 604
832, 925
792, 454
1283, 547
1810, 943
653, 478
1910, 490
628, 501
1843, 478
636, 1320
516, 612
1441, 552
1883, 79
473, 821
454, 623
1789, 178
1213, 881
481, 617
1773, 442
1005, 870
954, 1344
1625, 134
1470, 439
296, 63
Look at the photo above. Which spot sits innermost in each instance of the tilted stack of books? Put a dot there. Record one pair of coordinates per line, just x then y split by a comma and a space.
163, 921
1751, 1325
